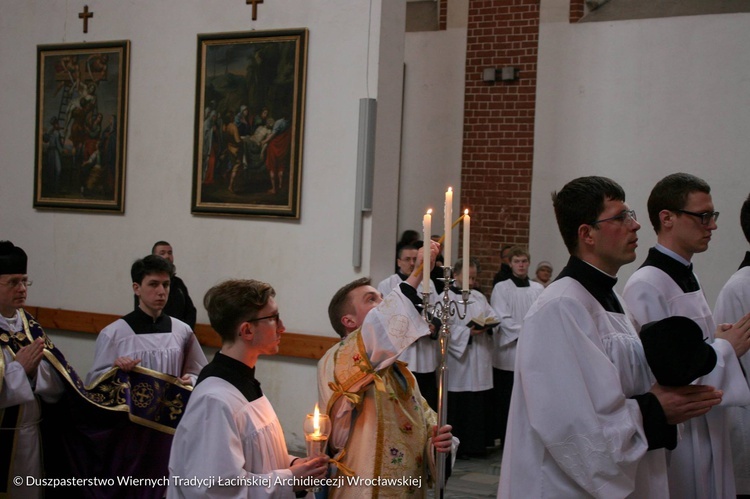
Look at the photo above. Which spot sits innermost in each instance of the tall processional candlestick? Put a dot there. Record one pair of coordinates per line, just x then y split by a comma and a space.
443, 310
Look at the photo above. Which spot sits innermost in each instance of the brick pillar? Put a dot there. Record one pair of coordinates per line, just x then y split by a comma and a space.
499, 127
576, 10
443, 14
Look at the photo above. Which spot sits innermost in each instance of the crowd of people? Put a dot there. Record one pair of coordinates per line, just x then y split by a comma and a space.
589, 393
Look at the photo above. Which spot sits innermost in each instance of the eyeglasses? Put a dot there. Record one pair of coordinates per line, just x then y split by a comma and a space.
275, 317
14, 283
705, 217
627, 217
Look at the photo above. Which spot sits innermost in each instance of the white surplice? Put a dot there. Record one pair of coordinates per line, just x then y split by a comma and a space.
176, 353
732, 304
223, 436
700, 467
470, 365
510, 303
422, 355
573, 430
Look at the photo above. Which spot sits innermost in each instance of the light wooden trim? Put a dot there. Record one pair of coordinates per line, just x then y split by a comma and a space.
305, 346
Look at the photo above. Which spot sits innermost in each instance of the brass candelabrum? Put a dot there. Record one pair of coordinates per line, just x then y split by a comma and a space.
443, 310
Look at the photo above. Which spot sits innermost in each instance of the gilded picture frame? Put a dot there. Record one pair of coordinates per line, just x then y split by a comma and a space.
81, 126
249, 123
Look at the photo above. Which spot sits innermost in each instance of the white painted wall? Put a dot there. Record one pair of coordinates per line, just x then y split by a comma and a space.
81, 261
433, 127
636, 101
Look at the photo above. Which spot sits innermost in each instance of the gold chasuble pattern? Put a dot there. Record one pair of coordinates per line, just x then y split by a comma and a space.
389, 435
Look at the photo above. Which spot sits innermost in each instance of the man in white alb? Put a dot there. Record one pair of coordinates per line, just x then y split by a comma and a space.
585, 418
682, 213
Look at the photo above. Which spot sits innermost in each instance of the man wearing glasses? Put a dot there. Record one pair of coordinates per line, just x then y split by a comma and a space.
586, 419
682, 214
230, 443
23, 376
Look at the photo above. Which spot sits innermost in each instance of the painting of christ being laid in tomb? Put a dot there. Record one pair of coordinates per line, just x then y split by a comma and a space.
249, 123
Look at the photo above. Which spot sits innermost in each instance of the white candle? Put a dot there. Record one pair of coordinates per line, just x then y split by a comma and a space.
427, 230
448, 227
467, 262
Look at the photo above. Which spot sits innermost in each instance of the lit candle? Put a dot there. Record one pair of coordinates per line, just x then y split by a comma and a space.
467, 262
317, 428
427, 230
448, 227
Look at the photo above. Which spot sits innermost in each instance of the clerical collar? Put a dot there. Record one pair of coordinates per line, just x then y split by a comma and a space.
403, 277
520, 282
11, 323
680, 273
669, 252
599, 284
142, 323
236, 373
746, 261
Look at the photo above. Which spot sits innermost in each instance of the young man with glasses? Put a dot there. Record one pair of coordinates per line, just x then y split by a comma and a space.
230, 431
24, 376
682, 213
586, 419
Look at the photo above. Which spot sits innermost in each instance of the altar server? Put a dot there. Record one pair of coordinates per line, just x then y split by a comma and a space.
469, 365
585, 419
731, 305
230, 432
682, 213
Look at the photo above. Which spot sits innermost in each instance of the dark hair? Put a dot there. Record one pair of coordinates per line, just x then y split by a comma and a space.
409, 237
341, 304
157, 244
505, 247
745, 218
150, 264
581, 201
458, 266
405, 247
671, 193
233, 302
519, 251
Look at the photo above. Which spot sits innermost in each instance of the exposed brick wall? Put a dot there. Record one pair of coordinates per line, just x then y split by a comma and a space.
443, 14
499, 127
576, 10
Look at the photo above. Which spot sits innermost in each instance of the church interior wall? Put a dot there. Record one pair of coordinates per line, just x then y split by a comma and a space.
81, 261
636, 101
432, 126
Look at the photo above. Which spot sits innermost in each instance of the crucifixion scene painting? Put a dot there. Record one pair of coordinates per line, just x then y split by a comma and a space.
81, 121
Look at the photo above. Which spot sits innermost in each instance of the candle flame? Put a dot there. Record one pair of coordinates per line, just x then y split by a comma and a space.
316, 419
450, 189
466, 211
429, 212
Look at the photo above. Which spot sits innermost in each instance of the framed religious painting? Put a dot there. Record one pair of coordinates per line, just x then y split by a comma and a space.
81, 126
249, 123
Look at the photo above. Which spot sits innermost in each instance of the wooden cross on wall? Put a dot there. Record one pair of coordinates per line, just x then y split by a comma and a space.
85, 15
255, 7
